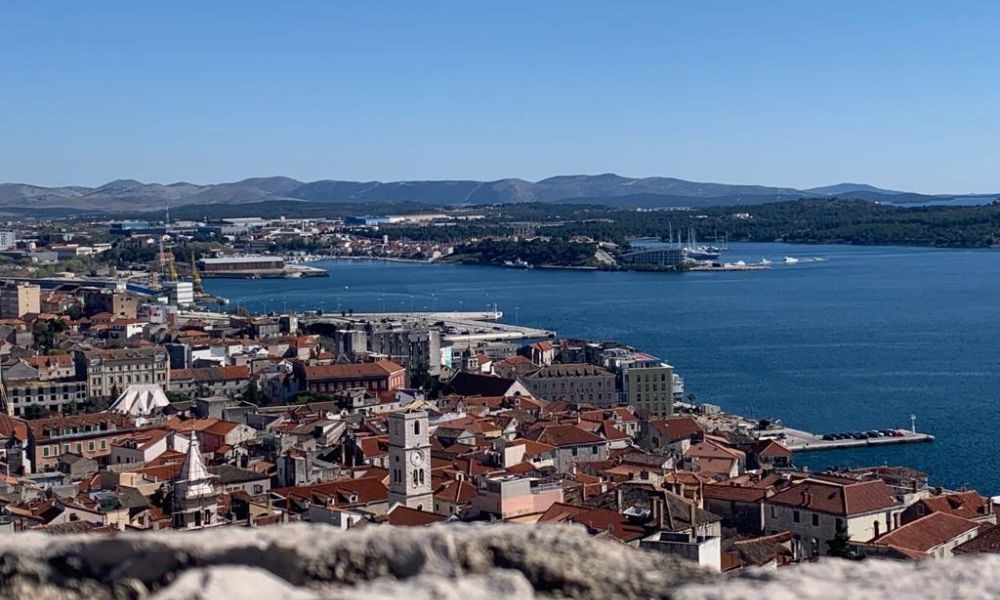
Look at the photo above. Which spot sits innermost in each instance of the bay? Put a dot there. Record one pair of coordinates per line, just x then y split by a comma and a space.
849, 338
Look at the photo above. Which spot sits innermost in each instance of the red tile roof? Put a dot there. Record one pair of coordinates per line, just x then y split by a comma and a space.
402, 516
846, 499
233, 373
382, 368
734, 493
926, 533
566, 435
967, 505
676, 428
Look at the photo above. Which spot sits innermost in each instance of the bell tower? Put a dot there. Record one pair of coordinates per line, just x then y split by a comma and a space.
410, 460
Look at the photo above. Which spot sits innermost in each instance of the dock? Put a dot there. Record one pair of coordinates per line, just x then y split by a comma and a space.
803, 441
455, 327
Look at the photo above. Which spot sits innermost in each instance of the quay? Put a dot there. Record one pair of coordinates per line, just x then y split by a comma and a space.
456, 327
803, 441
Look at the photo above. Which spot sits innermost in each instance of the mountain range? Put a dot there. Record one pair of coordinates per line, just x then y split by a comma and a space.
129, 195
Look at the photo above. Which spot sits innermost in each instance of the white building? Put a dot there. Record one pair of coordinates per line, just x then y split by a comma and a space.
8, 239
180, 293
814, 509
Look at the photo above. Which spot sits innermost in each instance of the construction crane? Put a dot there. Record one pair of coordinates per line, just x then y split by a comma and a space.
171, 266
196, 276
4, 405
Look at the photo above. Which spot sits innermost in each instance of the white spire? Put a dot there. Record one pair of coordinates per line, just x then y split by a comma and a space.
195, 480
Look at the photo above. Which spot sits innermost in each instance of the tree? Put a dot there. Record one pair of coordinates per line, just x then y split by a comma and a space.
177, 397
253, 395
840, 546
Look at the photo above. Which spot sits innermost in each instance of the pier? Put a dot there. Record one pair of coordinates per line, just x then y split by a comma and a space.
803, 441
456, 327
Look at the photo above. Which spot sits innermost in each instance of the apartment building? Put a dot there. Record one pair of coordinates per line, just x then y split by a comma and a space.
108, 372
19, 299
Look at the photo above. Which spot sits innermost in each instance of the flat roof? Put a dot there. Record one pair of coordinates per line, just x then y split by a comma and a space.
241, 259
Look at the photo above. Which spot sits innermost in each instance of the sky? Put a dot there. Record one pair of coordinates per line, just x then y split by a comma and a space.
900, 94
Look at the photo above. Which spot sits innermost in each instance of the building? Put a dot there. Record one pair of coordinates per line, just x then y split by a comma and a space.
210, 381
51, 366
30, 398
240, 265
576, 383
195, 502
179, 293
815, 509
572, 445
648, 385
934, 535
410, 460
19, 299
8, 240
87, 435
407, 344
509, 497
108, 372
119, 303
375, 377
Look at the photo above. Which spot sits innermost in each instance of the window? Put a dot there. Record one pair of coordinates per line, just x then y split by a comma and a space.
45, 451
416, 428
774, 512
795, 516
815, 520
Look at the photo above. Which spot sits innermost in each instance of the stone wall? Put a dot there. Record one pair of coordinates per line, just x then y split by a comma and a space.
457, 562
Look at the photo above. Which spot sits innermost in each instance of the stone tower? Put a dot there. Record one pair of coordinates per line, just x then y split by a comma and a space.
195, 502
410, 460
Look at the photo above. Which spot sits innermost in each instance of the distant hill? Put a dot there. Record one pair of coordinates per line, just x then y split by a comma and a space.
841, 189
129, 195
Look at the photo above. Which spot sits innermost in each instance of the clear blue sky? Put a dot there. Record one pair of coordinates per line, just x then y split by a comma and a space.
901, 94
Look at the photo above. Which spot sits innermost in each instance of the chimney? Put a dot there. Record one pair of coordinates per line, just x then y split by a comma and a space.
619, 500
660, 516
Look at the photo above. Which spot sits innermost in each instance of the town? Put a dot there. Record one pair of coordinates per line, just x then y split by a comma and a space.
132, 404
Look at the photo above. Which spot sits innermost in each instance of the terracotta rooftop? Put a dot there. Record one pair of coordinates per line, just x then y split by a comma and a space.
846, 499
566, 435
382, 368
926, 533
402, 516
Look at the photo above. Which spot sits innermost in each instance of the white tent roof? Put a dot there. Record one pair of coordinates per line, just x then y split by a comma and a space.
140, 400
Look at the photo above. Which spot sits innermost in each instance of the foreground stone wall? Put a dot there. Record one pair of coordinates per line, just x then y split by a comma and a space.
464, 562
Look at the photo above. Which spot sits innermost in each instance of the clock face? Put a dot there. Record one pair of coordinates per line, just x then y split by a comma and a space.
417, 458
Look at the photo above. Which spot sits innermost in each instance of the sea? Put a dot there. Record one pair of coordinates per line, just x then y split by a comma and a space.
848, 338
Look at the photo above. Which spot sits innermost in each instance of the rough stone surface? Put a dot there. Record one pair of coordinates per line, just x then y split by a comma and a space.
453, 562
303, 561
969, 578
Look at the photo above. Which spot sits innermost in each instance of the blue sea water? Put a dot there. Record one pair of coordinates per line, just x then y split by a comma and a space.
849, 338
